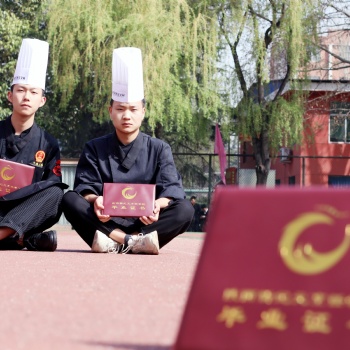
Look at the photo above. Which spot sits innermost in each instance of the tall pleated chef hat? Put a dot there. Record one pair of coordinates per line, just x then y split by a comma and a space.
127, 75
32, 63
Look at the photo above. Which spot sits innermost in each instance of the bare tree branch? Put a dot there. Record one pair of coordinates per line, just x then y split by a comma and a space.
340, 10
324, 48
233, 48
255, 14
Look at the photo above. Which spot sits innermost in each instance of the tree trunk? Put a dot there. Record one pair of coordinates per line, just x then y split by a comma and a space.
159, 131
262, 158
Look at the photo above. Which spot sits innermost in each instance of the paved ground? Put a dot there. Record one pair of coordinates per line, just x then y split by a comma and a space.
74, 299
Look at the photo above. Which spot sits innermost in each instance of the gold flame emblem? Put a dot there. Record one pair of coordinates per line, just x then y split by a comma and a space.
5, 175
303, 258
127, 195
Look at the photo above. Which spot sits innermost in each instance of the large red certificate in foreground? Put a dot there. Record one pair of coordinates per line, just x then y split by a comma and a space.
134, 200
14, 176
273, 273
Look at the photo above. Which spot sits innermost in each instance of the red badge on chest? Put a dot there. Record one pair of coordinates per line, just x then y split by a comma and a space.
57, 169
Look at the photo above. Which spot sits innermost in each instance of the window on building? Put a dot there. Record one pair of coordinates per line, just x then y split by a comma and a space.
316, 56
291, 180
338, 181
343, 51
314, 53
346, 52
339, 122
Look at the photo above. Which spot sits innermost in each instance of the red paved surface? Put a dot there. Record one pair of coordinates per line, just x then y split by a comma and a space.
75, 299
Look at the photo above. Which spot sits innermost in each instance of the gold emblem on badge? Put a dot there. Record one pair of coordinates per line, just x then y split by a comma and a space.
39, 157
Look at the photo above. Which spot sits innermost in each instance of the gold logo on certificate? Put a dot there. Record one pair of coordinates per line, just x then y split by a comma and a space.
129, 193
6, 173
303, 258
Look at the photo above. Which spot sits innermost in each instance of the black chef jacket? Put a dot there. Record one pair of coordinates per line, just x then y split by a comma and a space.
147, 161
33, 145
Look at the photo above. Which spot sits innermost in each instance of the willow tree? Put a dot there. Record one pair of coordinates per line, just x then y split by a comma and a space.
18, 19
177, 46
260, 34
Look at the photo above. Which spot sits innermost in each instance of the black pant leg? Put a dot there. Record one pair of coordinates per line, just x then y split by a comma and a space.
32, 214
80, 213
50, 204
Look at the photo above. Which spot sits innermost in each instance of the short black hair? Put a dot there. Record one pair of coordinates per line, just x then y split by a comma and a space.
143, 102
193, 197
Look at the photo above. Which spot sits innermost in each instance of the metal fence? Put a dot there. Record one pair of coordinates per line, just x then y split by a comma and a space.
302, 171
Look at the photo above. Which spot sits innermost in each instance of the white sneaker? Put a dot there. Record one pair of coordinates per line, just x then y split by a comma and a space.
146, 244
103, 244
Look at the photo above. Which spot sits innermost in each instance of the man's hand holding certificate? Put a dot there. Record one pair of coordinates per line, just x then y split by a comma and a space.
128, 200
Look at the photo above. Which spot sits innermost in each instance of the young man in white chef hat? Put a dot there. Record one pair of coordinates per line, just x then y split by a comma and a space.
26, 212
127, 156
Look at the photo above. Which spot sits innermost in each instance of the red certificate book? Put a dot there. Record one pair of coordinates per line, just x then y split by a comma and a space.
280, 280
134, 200
14, 176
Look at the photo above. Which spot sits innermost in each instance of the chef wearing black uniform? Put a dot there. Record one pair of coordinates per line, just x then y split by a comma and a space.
127, 156
27, 212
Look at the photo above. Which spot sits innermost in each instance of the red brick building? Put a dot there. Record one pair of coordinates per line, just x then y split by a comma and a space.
324, 156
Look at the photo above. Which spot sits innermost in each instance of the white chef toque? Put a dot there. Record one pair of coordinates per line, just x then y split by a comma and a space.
127, 75
32, 63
